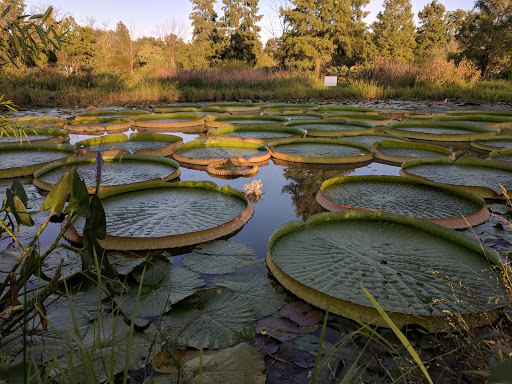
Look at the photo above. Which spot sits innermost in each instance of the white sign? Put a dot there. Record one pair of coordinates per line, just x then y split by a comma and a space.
330, 81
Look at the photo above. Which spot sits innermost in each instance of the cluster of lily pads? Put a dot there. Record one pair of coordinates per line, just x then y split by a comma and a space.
394, 236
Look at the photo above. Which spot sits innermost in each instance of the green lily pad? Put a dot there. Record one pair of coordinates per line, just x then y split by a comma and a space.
36, 136
435, 202
163, 285
117, 170
400, 152
320, 151
370, 138
257, 119
332, 127
301, 314
418, 271
482, 177
210, 319
254, 291
113, 113
220, 256
168, 215
257, 133
277, 328
504, 155
240, 364
439, 130
492, 143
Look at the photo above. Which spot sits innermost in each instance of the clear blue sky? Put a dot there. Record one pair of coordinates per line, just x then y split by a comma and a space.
146, 15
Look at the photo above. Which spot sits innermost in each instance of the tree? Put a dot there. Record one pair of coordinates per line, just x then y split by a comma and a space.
394, 31
207, 41
432, 34
125, 44
485, 35
80, 44
172, 33
239, 23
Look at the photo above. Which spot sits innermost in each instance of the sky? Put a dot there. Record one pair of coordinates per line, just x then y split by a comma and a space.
145, 16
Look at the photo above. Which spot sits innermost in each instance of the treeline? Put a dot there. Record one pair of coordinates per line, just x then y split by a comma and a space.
323, 36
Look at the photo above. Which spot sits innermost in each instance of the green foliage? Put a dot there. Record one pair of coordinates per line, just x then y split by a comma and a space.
432, 34
394, 31
207, 41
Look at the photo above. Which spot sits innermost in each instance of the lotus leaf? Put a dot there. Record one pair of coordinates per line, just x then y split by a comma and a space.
438, 203
482, 177
220, 256
239, 364
167, 215
203, 153
23, 160
210, 319
326, 151
163, 285
117, 170
418, 271
254, 291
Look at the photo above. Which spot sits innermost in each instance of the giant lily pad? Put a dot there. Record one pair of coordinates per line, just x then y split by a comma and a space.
504, 155
332, 127
419, 272
261, 134
492, 143
220, 257
482, 177
438, 203
373, 118
489, 120
117, 170
87, 125
168, 215
163, 285
439, 130
470, 112
23, 160
399, 152
138, 143
38, 121
223, 120
370, 138
232, 167
210, 319
36, 136
171, 122
341, 108
203, 153
320, 151
238, 364
113, 113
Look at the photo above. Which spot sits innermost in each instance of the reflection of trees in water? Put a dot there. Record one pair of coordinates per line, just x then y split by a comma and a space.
304, 185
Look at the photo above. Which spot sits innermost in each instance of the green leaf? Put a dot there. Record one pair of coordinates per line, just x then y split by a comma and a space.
78, 195
18, 209
6, 11
240, 364
47, 14
32, 264
502, 373
57, 197
19, 190
96, 224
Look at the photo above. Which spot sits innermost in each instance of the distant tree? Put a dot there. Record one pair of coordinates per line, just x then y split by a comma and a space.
79, 46
432, 34
126, 46
485, 35
207, 41
394, 31
239, 23
173, 33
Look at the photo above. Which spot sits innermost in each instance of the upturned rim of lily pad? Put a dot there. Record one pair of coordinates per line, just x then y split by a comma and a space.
485, 192
107, 158
134, 243
495, 155
108, 124
30, 169
218, 168
478, 217
365, 127
400, 128
368, 314
140, 136
274, 150
194, 122
479, 143
375, 148
58, 135
217, 133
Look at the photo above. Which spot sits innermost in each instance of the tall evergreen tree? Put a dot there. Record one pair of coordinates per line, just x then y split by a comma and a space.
485, 34
394, 30
432, 35
206, 39
239, 22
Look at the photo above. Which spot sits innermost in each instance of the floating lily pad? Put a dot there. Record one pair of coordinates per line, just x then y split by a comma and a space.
332, 127
418, 271
36, 136
482, 112
139, 143
491, 120
203, 153
86, 125
277, 328
233, 167
492, 143
224, 120
238, 364
399, 152
341, 108
46, 121
261, 134
117, 170
113, 113
210, 319
439, 131
168, 215
373, 118
163, 285
171, 122
218, 257
482, 177
370, 138
254, 291
438, 203
301, 314
504, 155
23, 160
320, 151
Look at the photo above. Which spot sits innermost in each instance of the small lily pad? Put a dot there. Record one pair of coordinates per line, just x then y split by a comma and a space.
301, 314
278, 328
